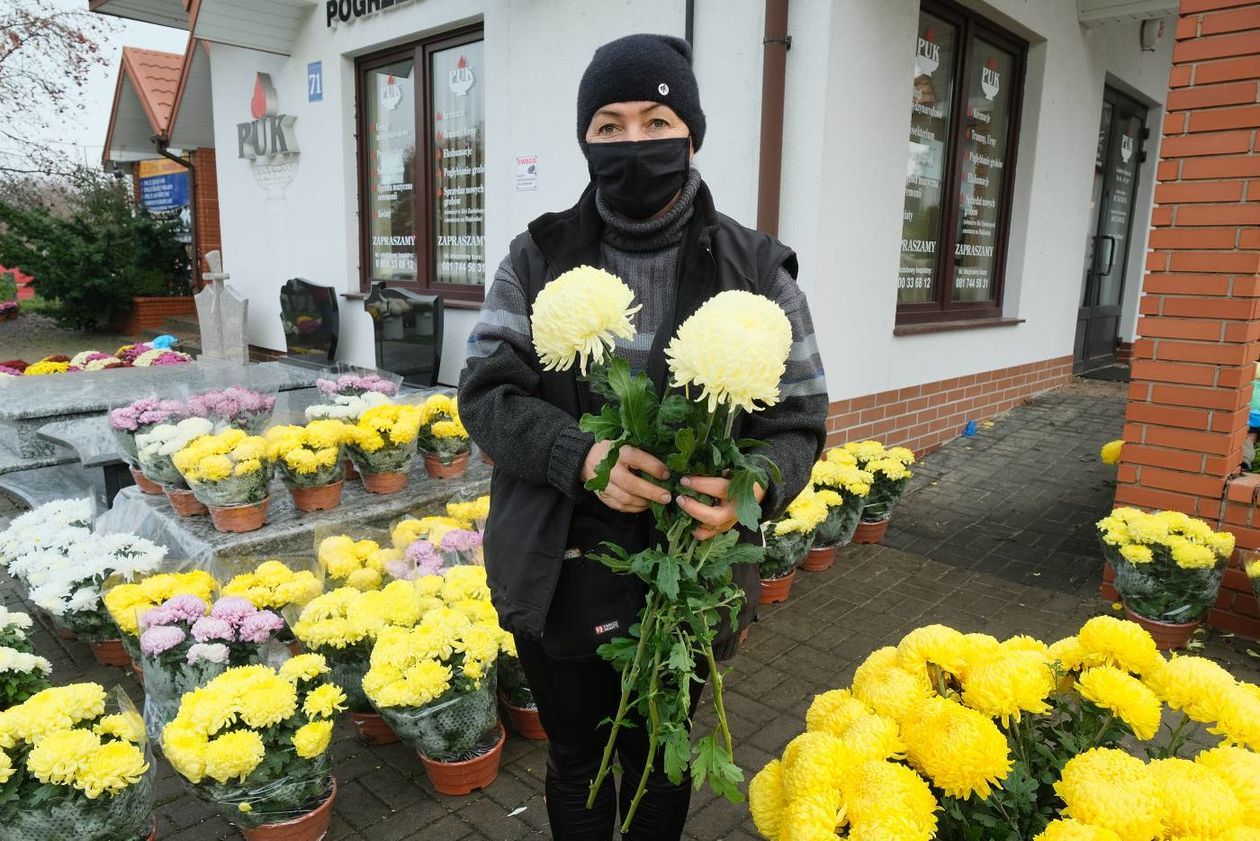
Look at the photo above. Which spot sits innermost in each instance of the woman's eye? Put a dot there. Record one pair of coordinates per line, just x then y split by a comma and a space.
658, 122
607, 128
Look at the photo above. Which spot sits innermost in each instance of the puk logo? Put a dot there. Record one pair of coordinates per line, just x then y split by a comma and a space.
928, 55
662, 89
461, 78
268, 141
1126, 147
391, 93
990, 79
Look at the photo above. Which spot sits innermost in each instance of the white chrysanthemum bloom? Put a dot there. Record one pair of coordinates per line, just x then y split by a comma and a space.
14, 619
735, 349
579, 316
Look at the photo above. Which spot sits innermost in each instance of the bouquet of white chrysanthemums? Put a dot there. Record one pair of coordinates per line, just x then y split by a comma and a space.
727, 358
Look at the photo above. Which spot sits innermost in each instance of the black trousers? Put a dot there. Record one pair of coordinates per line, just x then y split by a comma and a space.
574, 698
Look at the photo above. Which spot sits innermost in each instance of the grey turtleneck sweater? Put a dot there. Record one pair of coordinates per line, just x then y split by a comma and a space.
645, 255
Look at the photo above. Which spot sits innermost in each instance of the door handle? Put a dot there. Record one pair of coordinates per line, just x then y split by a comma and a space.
1111, 254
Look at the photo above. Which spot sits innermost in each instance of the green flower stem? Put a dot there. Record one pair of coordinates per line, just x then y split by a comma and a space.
654, 719
718, 703
627, 685
1178, 736
1094, 742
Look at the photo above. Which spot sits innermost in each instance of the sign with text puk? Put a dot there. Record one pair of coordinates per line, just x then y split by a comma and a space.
268, 141
344, 11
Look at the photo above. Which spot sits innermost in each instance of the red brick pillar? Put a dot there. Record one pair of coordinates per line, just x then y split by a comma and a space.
205, 209
1199, 330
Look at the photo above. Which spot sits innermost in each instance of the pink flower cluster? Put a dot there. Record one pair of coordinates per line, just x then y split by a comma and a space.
461, 540
7, 307
162, 357
129, 353
11, 372
355, 384
420, 559
234, 405
231, 621
148, 411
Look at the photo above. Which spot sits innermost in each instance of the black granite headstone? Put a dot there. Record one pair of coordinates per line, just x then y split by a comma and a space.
408, 330
311, 322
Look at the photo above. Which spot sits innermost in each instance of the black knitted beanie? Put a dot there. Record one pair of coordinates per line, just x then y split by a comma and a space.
641, 68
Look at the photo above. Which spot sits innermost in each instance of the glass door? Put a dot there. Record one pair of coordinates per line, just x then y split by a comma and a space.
1119, 155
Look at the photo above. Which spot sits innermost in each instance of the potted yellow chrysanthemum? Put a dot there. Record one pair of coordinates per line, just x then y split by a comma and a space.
382, 444
842, 487
890, 469
1168, 569
443, 439
961, 737
788, 541
253, 744
310, 462
230, 472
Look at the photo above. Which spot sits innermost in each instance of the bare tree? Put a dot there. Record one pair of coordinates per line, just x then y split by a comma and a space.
46, 56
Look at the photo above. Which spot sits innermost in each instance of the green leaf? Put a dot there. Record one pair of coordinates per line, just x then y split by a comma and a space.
667, 572
636, 397
677, 752
680, 659
600, 480
741, 492
606, 426
684, 446
673, 411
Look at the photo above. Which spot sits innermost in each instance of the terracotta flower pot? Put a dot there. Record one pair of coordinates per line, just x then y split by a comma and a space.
240, 518
352, 472
819, 558
372, 728
774, 590
434, 466
184, 503
312, 826
384, 483
111, 653
525, 722
322, 498
1167, 635
460, 778
144, 483
871, 532
66, 634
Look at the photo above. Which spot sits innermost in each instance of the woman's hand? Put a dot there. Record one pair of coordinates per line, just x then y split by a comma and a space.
627, 491
717, 518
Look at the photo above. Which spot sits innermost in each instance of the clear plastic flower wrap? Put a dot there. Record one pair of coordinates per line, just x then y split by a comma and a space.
130, 418
157, 447
128, 599
784, 552
355, 381
356, 560
842, 521
456, 726
1163, 591
245, 407
513, 687
227, 468
91, 780
274, 582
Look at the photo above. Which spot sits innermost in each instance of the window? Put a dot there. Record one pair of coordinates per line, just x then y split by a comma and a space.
964, 124
421, 114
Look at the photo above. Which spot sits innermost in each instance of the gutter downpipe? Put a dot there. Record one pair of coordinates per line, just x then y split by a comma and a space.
160, 142
775, 45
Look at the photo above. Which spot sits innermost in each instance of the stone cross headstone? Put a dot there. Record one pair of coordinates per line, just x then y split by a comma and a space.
222, 315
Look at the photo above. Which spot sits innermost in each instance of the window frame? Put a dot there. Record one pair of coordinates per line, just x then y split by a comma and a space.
943, 308
421, 53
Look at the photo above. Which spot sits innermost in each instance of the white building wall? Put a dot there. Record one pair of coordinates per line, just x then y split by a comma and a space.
846, 128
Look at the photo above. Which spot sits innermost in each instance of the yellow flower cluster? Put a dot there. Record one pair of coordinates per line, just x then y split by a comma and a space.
579, 316
44, 367
432, 528
1253, 569
893, 463
804, 514
306, 449
1190, 542
468, 513
841, 476
126, 603
1110, 452
457, 637
437, 407
941, 704
223, 728
273, 586
346, 617
213, 458
389, 424
72, 742
734, 349
359, 563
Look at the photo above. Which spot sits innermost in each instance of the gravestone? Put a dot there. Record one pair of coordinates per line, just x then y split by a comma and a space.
311, 321
408, 333
223, 315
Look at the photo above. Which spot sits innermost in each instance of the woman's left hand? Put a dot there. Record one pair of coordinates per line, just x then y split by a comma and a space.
713, 519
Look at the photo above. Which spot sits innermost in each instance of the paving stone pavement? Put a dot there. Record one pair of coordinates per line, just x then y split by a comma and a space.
871, 597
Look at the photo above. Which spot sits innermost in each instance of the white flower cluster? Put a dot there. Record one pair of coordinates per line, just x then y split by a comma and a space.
13, 619
12, 660
42, 526
167, 439
347, 407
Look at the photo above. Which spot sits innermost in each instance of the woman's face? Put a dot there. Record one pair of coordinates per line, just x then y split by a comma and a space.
630, 121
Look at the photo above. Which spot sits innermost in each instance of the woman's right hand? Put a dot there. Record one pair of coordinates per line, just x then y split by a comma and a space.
627, 491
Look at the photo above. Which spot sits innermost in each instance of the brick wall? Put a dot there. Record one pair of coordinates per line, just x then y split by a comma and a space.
1199, 325
922, 417
205, 209
151, 313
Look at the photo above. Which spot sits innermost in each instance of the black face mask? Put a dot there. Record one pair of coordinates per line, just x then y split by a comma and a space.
637, 178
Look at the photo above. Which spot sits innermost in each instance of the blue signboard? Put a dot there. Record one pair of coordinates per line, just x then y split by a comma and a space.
315, 81
164, 192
